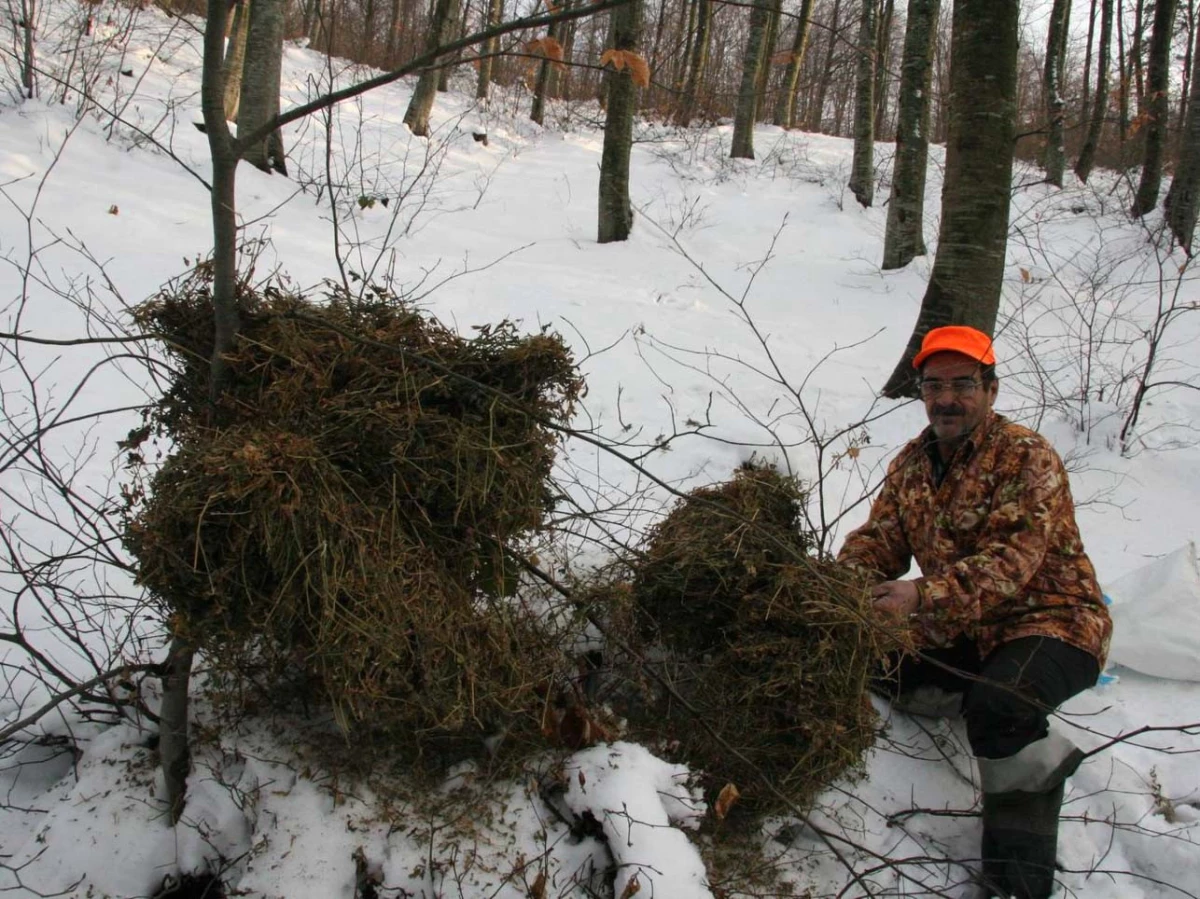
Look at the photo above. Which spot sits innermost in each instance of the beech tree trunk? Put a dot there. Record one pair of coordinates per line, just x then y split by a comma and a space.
785, 104
862, 169
1085, 95
546, 72
817, 114
260, 84
616, 210
1156, 108
968, 270
1181, 202
883, 49
768, 52
698, 63
746, 112
416, 117
1055, 160
1087, 153
173, 747
235, 57
495, 10
904, 238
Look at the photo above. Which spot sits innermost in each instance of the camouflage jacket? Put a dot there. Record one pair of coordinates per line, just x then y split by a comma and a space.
996, 540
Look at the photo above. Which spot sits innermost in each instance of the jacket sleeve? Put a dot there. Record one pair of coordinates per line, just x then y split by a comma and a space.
1010, 547
879, 550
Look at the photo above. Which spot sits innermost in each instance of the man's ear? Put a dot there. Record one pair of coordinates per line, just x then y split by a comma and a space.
993, 390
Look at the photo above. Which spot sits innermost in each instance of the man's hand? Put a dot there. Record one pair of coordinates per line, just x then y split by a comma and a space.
895, 599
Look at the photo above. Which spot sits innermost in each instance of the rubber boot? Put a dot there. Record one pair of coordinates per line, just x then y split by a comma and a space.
1020, 842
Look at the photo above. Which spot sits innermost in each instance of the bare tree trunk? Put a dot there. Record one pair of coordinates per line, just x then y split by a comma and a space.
260, 84
495, 10
1084, 105
1182, 199
1122, 79
1055, 160
968, 271
818, 111
1087, 153
1157, 108
883, 51
904, 238
1135, 52
545, 75
366, 51
311, 16
421, 104
615, 209
450, 63
235, 58
862, 169
28, 17
564, 77
698, 64
768, 53
1188, 11
173, 749
785, 105
746, 112
687, 18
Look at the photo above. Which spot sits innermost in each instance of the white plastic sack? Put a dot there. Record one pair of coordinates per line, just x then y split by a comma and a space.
1156, 617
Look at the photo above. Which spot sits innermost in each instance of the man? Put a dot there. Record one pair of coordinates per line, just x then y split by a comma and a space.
1007, 614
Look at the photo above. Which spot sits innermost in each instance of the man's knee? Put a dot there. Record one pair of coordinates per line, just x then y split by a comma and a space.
1003, 718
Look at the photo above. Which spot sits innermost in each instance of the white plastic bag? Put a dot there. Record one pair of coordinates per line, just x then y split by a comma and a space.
1156, 617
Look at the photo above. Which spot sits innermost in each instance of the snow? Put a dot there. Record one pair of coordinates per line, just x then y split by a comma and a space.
740, 279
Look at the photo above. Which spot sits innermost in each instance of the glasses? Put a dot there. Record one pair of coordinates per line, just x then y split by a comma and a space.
932, 387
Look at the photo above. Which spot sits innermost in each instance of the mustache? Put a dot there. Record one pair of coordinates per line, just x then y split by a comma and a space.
948, 410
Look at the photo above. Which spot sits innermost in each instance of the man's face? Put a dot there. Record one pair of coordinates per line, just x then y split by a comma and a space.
955, 397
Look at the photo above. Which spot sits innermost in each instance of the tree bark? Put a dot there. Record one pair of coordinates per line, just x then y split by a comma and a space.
904, 238
768, 52
28, 17
260, 84
545, 75
1182, 199
457, 24
173, 746
698, 63
235, 58
883, 50
785, 104
495, 9
1122, 78
817, 115
416, 117
1084, 105
1055, 160
1188, 11
746, 112
615, 209
1156, 109
1087, 153
968, 270
862, 169
1135, 52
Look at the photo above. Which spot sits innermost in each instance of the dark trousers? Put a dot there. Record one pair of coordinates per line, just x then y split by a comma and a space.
1007, 697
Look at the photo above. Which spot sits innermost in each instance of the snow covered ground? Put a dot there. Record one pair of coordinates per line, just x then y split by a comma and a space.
733, 268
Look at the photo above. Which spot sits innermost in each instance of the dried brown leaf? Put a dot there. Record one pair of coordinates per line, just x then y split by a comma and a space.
725, 800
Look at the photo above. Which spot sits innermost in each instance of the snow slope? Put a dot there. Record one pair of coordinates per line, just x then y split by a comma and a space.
740, 279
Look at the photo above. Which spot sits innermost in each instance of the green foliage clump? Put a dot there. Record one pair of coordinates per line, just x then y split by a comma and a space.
344, 514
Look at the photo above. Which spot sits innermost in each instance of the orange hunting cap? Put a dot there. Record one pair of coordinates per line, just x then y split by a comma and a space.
956, 339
